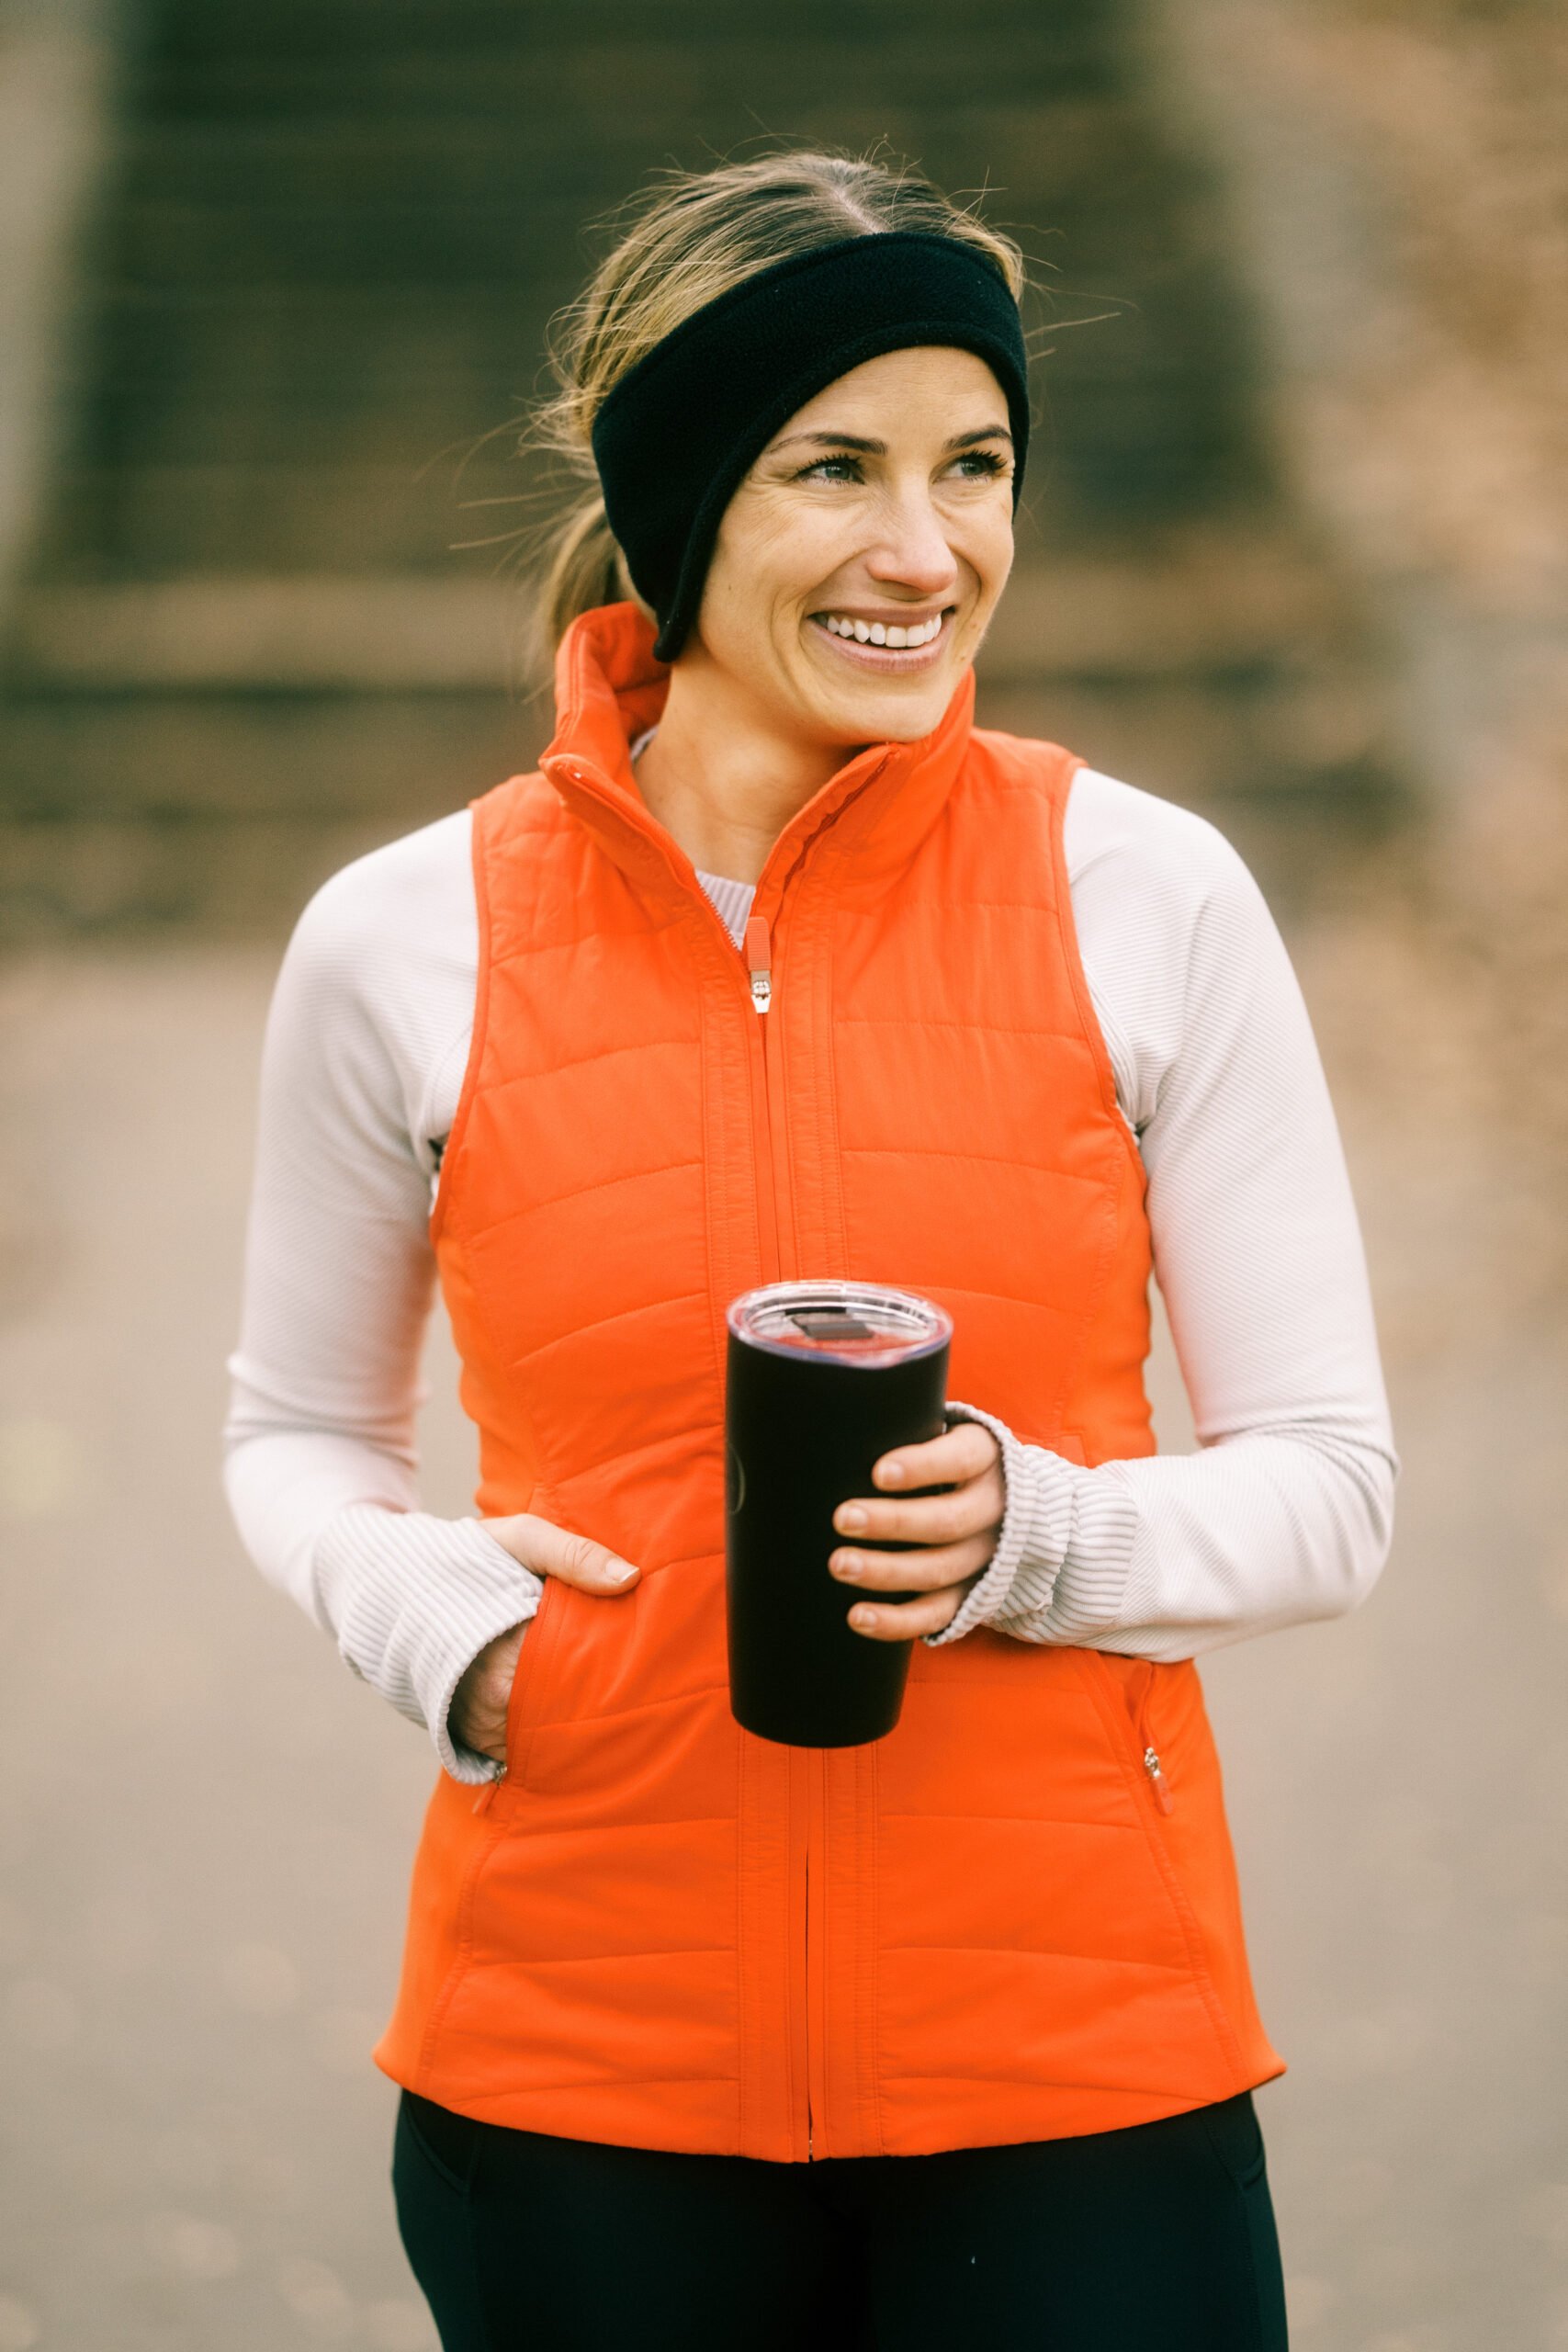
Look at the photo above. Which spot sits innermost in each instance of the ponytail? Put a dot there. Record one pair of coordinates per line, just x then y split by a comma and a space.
583, 567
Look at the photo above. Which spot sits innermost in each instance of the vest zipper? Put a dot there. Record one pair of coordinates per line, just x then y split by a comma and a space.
758, 962
763, 1044
815, 1952
810, 2111
762, 978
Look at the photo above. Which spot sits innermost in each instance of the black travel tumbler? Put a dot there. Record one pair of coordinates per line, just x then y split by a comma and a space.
824, 1378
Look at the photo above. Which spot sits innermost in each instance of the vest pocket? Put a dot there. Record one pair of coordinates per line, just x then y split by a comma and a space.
1131, 1693
1149, 1756
522, 1706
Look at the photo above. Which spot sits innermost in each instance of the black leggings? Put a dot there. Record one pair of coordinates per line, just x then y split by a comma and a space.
1158, 2237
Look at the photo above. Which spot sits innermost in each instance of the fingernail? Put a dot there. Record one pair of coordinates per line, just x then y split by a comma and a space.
850, 1517
890, 1474
845, 1564
620, 1571
863, 1616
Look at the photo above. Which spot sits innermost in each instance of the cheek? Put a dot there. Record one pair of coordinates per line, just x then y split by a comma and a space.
771, 557
990, 548
734, 619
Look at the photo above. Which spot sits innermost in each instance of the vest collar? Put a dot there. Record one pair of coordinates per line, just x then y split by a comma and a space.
609, 688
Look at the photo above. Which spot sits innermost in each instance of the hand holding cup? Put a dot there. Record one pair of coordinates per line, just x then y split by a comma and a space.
956, 1532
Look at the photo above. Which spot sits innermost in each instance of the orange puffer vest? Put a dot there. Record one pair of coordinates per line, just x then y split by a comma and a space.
656, 1929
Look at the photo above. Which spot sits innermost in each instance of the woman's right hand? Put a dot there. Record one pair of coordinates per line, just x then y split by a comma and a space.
477, 1718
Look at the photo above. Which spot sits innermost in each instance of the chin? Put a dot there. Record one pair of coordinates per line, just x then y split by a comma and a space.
887, 716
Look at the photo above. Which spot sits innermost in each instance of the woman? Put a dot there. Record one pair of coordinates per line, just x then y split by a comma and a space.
705, 2042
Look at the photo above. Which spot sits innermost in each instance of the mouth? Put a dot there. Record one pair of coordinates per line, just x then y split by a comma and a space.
894, 648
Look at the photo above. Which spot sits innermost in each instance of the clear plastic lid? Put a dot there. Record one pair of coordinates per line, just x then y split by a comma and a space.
854, 1323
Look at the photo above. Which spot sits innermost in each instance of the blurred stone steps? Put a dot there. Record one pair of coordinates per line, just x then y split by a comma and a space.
318, 298
222, 742
226, 632
291, 520
433, 51
365, 253
1199, 609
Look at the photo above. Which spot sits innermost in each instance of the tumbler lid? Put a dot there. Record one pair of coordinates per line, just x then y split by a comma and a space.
854, 1323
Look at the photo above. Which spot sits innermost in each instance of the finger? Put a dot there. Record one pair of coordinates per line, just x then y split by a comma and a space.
485, 1724
552, 1550
926, 1518
497, 1663
487, 1737
494, 1695
923, 1570
907, 1621
961, 1453
477, 1717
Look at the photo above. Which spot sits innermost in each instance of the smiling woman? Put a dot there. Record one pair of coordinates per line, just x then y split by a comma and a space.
692, 254
853, 573
877, 538
950, 2040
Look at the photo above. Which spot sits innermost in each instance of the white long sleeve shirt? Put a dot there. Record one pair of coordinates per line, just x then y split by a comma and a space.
1282, 1515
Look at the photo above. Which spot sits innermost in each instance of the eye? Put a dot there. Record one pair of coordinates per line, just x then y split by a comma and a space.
980, 465
846, 467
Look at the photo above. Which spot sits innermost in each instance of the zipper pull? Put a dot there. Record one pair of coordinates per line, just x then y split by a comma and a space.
759, 961
1157, 1781
487, 1795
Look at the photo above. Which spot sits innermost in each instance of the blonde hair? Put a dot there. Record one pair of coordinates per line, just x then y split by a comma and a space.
685, 240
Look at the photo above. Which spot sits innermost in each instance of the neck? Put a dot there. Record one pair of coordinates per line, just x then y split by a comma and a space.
722, 778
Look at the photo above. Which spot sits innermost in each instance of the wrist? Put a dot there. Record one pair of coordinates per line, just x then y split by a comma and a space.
1032, 1540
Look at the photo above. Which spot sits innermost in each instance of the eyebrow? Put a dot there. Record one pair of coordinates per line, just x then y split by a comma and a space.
879, 449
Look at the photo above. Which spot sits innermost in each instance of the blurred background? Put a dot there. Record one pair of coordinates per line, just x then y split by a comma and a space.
274, 283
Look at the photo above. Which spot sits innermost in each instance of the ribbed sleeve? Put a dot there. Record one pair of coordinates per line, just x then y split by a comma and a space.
1053, 1515
413, 1600
1167, 1556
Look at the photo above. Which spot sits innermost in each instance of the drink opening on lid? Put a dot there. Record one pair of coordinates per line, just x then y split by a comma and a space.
830, 1323
854, 1323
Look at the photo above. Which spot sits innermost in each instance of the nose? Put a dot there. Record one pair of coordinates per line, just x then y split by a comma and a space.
912, 551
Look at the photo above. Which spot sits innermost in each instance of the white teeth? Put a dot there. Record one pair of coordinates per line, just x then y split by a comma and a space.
879, 633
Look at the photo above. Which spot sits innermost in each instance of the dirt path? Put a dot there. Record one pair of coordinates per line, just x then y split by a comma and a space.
205, 1825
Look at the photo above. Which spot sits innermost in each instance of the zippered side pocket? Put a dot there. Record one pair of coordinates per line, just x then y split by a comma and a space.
1129, 1686
1130, 1683
521, 1706
1148, 1755
1157, 1781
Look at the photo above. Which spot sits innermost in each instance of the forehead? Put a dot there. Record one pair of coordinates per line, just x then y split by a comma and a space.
930, 386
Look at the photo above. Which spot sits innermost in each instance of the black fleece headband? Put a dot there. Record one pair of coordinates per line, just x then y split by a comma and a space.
678, 433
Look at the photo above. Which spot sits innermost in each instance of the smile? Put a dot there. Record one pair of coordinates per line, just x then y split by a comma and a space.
879, 644
876, 633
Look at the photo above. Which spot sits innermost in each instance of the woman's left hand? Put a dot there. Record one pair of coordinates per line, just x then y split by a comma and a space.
957, 1532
